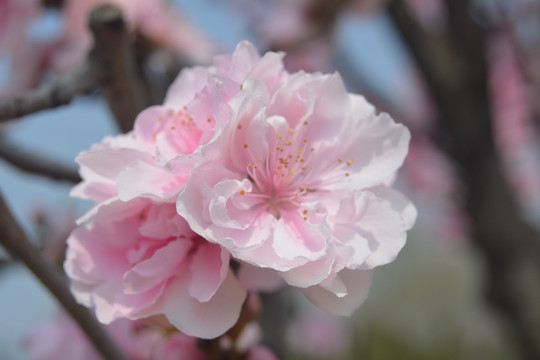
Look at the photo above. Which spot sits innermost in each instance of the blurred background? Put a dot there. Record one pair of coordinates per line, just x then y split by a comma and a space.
464, 76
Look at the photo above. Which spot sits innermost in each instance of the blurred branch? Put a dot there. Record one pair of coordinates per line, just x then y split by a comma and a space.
455, 71
35, 164
124, 85
13, 239
60, 92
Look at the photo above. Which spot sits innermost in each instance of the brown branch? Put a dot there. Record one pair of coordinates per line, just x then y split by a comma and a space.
13, 239
58, 93
124, 85
36, 164
459, 89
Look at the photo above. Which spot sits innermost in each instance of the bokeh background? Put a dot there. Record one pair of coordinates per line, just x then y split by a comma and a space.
437, 300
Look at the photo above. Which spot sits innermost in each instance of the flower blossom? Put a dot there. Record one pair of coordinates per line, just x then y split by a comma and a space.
135, 223
138, 259
297, 181
166, 140
287, 173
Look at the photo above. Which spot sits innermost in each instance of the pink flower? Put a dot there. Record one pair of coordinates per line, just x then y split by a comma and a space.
62, 339
139, 258
296, 181
165, 143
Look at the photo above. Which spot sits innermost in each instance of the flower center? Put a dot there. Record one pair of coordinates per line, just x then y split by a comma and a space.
282, 178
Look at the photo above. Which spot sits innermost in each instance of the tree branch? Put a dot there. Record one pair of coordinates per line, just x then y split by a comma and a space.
60, 92
13, 239
460, 90
124, 86
36, 164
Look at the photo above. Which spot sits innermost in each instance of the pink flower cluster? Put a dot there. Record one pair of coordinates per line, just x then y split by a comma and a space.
280, 172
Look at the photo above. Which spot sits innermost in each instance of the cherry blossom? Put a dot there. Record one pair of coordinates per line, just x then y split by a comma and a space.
286, 172
166, 140
296, 181
138, 259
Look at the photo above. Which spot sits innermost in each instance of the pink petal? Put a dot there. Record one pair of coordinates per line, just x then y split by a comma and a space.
147, 180
159, 268
209, 267
205, 320
296, 238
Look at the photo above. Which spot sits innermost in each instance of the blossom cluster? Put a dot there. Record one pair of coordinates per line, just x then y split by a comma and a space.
246, 177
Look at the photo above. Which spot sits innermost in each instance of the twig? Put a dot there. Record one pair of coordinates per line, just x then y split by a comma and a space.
36, 164
124, 85
509, 245
13, 239
60, 92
